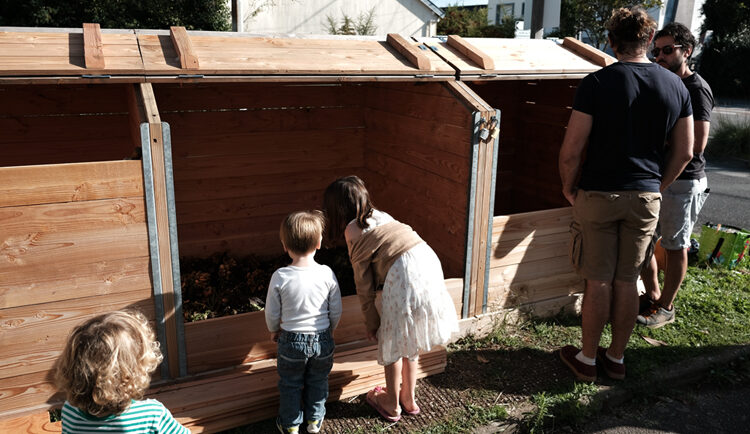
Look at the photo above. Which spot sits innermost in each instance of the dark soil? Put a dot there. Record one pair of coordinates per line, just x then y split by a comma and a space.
223, 285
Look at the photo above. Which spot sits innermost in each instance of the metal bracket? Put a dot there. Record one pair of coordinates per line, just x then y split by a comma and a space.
96, 76
487, 75
424, 75
190, 76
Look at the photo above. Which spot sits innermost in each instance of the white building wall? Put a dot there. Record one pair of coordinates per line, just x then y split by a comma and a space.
308, 17
522, 10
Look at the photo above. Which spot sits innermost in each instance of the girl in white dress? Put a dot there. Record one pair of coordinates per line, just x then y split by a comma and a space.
417, 311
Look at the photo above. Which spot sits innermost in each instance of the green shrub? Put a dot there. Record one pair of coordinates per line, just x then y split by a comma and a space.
730, 139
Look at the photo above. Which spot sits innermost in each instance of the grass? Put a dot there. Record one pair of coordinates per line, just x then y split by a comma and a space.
730, 139
713, 312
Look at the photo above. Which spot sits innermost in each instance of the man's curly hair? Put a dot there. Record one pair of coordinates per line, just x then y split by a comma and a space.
681, 35
107, 361
630, 30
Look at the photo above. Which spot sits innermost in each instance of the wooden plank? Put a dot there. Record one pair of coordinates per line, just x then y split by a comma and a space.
234, 340
419, 132
273, 163
441, 109
47, 282
31, 424
34, 335
476, 55
31, 185
192, 124
519, 226
588, 52
527, 270
256, 146
92, 46
408, 50
426, 157
184, 47
250, 95
516, 294
312, 181
62, 100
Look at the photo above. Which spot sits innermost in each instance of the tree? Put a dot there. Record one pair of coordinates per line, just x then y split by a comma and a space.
364, 24
591, 16
123, 14
473, 23
725, 58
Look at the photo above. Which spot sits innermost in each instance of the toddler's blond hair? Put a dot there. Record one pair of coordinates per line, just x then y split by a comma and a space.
107, 361
302, 230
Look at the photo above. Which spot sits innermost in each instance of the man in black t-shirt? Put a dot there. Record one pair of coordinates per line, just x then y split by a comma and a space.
683, 200
629, 136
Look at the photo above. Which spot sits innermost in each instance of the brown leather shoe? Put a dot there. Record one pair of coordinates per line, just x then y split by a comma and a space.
581, 370
614, 370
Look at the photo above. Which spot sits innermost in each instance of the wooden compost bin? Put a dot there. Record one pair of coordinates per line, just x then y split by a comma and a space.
73, 226
258, 129
235, 133
532, 83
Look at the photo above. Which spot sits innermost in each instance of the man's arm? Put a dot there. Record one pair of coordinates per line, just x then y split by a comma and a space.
571, 152
680, 150
701, 129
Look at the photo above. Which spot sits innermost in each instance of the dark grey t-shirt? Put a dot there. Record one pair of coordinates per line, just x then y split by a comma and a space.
703, 102
634, 108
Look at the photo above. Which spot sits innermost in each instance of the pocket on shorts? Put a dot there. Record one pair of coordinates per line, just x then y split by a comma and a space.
576, 245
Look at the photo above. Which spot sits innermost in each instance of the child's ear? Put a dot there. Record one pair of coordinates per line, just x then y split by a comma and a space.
320, 242
284, 246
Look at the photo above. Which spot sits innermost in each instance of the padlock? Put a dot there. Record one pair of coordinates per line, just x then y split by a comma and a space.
484, 134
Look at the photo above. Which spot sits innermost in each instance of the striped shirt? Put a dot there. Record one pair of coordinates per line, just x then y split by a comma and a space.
147, 416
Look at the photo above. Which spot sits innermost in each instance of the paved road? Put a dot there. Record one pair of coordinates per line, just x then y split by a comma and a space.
718, 410
729, 200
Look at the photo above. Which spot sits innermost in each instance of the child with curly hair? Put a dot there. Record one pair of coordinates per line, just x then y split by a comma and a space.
104, 371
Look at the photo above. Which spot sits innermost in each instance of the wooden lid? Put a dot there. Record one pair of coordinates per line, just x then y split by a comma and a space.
213, 54
66, 52
38, 54
497, 57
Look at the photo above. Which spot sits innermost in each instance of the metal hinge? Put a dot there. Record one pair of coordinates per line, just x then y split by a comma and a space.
424, 75
487, 75
190, 76
96, 76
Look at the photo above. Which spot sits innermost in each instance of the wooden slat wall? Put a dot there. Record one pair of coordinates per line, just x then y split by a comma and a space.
418, 158
74, 244
529, 262
63, 124
247, 154
534, 115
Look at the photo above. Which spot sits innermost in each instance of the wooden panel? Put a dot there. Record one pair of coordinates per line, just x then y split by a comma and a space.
518, 294
33, 336
70, 182
184, 48
234, 340
419, 132
36, 140
215, 96
444, 109
251, 55
62, 53
31, 424
92, 46
68, 99
45, 282
515, 56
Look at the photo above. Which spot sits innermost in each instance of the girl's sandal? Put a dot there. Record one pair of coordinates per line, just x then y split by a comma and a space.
374, 403
410, 413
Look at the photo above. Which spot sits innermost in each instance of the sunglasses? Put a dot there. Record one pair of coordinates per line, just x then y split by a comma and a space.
667, 49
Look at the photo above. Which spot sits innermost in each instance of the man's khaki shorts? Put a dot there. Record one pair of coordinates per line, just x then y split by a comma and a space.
612, 233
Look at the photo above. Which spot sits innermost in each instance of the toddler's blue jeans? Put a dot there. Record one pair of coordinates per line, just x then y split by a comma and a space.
304, 362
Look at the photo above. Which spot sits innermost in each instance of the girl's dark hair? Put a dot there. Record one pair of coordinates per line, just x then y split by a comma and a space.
630, 30
344, 200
